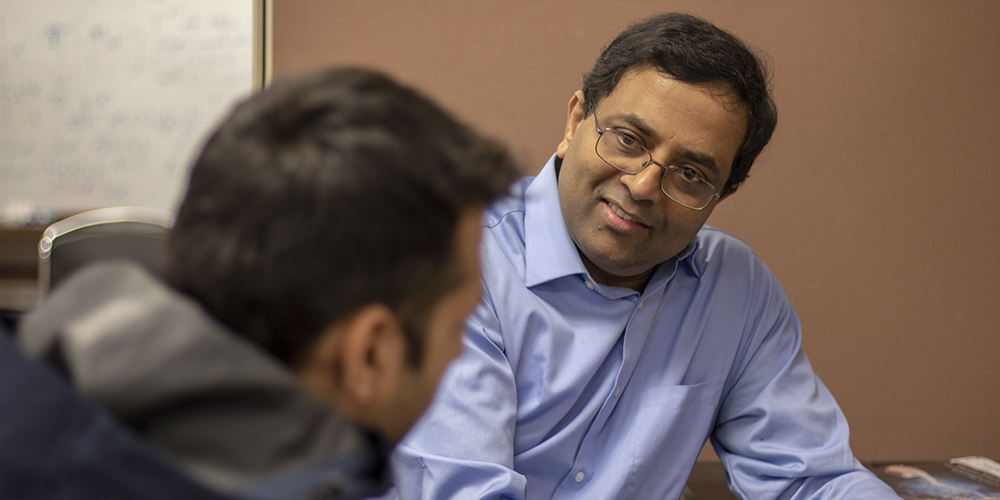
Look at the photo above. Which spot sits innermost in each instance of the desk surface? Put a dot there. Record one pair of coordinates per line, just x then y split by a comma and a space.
19, 253
708, 482
19, 268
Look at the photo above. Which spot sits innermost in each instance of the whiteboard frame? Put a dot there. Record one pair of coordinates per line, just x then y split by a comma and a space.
263, 31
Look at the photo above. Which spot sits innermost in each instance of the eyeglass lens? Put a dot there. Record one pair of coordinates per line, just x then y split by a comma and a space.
682, 185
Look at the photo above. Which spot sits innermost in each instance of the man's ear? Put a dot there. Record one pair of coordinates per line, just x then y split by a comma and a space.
574, 117
355, 361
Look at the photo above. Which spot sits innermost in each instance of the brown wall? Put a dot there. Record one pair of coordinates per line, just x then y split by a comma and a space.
876, 203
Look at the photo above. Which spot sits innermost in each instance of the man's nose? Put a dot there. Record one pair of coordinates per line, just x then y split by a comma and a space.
644, 185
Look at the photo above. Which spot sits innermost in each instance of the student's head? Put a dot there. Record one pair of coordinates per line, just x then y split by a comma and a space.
667, 124
333, 219
692, 50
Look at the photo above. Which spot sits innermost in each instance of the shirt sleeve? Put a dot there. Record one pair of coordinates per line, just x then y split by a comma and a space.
463, 447
780, 433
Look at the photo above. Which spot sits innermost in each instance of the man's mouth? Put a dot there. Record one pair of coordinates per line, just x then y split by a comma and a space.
622, 214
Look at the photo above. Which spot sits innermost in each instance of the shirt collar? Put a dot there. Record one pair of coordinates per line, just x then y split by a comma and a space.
690, 256
549, 250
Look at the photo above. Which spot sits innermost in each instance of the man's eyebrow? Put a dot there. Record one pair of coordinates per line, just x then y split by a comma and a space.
704, 159
639, 124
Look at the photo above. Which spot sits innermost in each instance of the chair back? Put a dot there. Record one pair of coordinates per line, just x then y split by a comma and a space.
138, 234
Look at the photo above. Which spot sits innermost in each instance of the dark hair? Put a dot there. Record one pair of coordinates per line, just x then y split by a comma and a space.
323, 194
695, 51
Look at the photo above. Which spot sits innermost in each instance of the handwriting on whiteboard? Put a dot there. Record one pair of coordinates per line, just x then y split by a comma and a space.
106, 102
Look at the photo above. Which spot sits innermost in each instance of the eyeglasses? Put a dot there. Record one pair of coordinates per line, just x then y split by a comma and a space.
684, 185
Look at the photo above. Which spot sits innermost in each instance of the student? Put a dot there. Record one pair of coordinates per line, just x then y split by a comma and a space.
618, 332
318, 274
56, 445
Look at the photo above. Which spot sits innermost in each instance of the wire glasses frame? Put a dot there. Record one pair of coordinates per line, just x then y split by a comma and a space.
682, 185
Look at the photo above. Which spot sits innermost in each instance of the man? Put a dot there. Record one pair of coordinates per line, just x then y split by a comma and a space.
326, 246
617, 332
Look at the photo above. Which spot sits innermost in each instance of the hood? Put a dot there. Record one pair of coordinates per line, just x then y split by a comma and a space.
225, 410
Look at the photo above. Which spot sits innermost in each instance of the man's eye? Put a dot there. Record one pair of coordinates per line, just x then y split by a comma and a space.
627, 140
690, 174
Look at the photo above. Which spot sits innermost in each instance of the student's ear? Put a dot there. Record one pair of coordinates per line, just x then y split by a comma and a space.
356, 361
574, 117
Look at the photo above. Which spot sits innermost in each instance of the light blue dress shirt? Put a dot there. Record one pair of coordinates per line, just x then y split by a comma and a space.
569, 389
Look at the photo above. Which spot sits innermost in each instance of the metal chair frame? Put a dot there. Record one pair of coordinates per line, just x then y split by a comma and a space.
154, 217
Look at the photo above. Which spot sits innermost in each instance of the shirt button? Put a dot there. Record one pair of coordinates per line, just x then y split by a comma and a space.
589, 285
579, 476
640, 305
618, 391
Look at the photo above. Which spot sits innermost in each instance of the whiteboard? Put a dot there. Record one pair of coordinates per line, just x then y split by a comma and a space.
107, 102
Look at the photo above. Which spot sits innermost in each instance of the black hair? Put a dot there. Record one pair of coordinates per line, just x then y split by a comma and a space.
695, 51
325, 193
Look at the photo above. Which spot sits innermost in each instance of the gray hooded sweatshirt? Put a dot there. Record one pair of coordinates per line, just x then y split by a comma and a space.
219, 407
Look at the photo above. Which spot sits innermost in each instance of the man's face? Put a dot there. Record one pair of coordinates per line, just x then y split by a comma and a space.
444, 329
623, 225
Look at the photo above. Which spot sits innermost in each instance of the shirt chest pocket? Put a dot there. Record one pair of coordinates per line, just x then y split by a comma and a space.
671, 425
679, 396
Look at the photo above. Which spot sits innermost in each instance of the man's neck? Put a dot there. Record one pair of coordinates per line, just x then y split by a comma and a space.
637, 282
